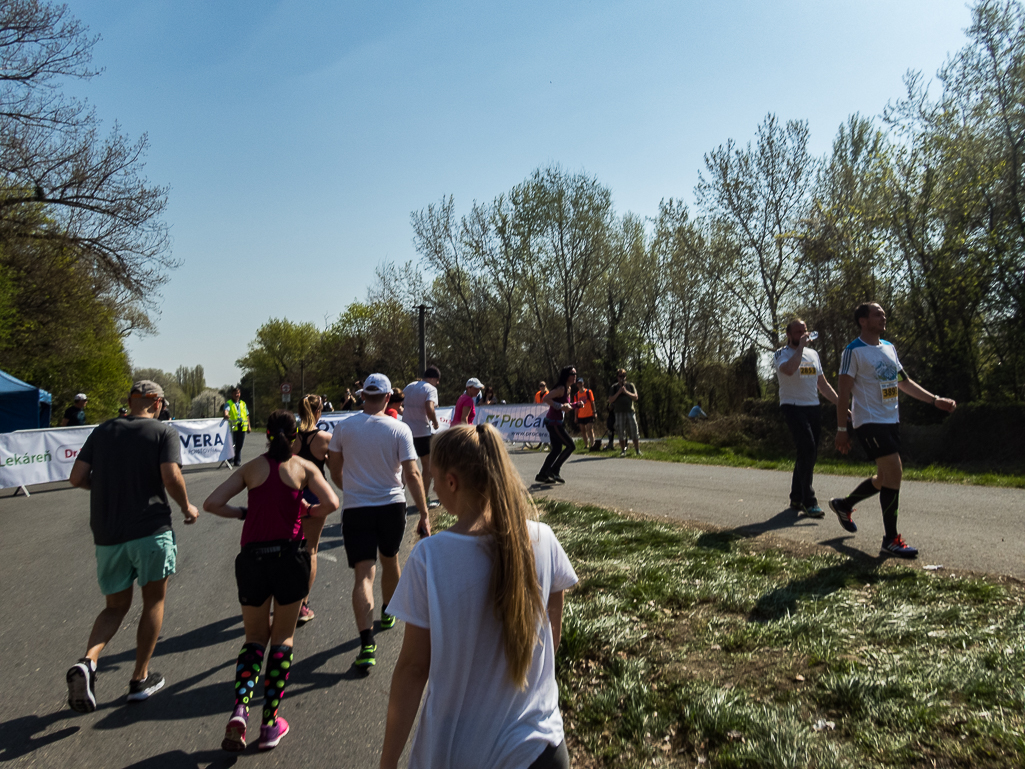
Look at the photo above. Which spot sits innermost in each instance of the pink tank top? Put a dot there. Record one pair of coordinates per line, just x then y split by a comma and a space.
274, 510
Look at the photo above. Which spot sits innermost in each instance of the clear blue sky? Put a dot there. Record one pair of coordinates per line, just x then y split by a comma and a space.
297, 137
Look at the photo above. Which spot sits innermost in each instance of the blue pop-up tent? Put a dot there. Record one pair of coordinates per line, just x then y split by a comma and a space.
22, 406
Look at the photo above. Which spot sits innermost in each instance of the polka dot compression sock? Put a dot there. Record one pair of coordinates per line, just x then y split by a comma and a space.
279, 663
247, 674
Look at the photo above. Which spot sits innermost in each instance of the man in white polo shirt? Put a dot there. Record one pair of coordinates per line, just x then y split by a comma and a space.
800, 382
370, 455
421, 401
871, 372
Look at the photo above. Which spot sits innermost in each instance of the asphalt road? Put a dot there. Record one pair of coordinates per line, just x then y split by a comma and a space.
50, 598
971, 528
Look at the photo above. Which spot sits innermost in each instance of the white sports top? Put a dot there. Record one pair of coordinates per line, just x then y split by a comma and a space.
876, 371
801, 387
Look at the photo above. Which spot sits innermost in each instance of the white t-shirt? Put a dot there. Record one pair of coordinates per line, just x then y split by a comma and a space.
876, 371
373, 450
473, 715
417, 396
801, 387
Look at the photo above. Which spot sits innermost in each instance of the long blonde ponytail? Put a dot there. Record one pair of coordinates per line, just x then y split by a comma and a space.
308, 408
476, 455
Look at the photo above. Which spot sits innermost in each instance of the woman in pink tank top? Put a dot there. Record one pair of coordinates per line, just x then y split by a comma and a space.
274, 564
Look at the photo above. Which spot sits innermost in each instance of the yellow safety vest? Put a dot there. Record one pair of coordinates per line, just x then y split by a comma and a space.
238, 415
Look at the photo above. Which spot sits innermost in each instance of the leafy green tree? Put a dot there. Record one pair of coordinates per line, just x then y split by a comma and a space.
279, 353
759, 197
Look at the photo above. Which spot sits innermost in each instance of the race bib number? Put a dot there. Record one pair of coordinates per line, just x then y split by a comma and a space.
807, 370
889, 391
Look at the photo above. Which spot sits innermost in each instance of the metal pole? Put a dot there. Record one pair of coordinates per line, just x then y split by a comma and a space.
423, 338
302, 378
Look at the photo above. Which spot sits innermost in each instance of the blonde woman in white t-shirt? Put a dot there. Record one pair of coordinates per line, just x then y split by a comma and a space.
482, 603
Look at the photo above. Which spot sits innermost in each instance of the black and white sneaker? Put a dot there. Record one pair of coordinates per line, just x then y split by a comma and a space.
141, 690
82, 686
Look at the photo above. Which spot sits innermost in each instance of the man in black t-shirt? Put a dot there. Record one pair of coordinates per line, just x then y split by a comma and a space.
74, 415
129, 464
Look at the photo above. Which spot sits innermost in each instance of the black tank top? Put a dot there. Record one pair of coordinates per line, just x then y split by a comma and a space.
306, 452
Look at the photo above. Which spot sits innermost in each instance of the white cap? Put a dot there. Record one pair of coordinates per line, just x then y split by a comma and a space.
376, 384
474, 382
81, 397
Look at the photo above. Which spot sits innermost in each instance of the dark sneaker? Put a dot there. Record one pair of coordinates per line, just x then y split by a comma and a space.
542, 478
557, 478
235, 733
271, 735
843, 511
899, 547
141, 690
82, 686
387, 621
815, 512
367, 656
305, 614
596, 446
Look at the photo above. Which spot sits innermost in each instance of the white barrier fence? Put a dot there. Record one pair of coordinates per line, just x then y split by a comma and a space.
518, 422
43, 456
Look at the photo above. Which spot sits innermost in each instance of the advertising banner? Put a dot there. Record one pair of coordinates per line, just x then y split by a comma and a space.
518, 423
42, 456
204, 440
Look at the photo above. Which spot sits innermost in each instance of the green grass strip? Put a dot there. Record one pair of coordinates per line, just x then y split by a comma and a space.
690, 452
682, 647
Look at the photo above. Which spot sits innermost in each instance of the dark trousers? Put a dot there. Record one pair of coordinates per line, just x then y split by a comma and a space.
552, 758
238, 437
805, 423
562, 446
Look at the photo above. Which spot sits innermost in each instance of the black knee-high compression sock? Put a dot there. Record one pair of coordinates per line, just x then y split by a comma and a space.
865, 490
247, 673
279, 662
366, 637
889, 499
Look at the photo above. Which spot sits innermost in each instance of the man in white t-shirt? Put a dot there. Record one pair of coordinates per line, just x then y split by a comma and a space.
800, 382
421, 401
871, 372
370, 455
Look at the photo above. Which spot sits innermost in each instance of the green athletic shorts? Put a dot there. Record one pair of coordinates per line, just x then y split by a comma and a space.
145, 560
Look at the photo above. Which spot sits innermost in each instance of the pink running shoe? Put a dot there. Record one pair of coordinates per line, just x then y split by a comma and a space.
235, 733
305, 614
271, 735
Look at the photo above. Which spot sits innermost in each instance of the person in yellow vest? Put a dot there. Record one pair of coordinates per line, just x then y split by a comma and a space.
237, 414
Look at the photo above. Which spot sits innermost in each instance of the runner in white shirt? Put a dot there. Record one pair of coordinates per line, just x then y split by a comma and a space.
421, 401
483, 646
871, 371
370, 455
800, 382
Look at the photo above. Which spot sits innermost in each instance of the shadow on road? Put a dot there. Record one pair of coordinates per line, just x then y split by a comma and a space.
17, 735
179, 759
218, 632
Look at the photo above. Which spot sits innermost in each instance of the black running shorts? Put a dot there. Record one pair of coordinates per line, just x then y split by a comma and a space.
280, 569
367, 530
422, 445
584, 420
879, 440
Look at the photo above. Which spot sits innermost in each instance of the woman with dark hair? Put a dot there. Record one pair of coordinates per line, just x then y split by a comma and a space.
274, 564
488, 398
558, 401
311, 445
